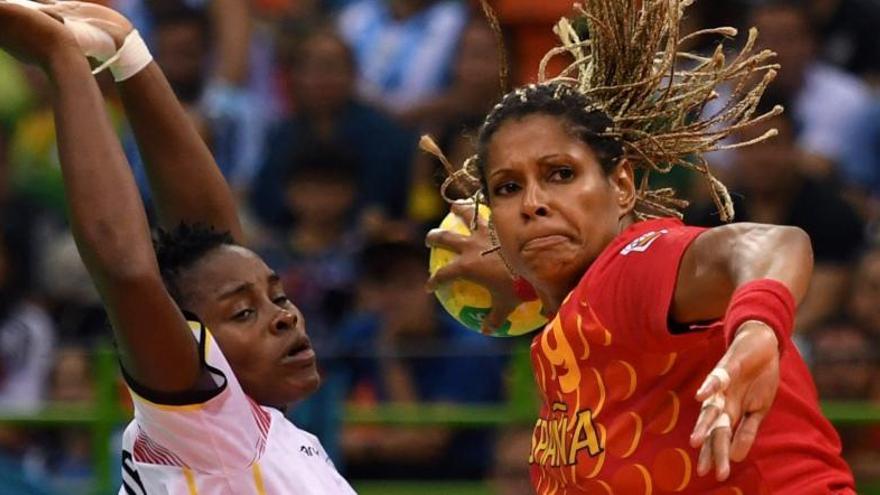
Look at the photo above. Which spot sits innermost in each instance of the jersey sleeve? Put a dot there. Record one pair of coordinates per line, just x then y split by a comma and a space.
217, 429
632, 289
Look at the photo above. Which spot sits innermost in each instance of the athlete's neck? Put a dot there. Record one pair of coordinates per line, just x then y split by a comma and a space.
553, 295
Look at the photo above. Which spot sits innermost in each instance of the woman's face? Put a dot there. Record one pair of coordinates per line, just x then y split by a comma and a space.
262, 334
553, 206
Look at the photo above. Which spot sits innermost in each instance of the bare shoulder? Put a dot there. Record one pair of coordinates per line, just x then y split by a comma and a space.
729, 240
722, 258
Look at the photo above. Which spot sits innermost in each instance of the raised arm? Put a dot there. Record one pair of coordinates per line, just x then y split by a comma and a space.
106, 213
184, 178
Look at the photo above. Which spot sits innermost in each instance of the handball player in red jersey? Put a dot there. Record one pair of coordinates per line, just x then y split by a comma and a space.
668, 352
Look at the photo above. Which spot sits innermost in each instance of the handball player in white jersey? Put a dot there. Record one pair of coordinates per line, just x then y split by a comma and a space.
208, 394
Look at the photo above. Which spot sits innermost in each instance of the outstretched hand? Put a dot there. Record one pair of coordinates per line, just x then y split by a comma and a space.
752, 365
100, 31
31, 35
472, 264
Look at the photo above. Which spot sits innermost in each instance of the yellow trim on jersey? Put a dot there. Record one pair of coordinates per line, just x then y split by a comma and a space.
165, 407
190, 481
258, 479
195, 327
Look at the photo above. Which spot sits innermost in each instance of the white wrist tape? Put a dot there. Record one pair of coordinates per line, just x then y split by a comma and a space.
130, 59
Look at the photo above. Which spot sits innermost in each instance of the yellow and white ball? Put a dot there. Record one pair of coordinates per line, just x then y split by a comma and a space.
468, 302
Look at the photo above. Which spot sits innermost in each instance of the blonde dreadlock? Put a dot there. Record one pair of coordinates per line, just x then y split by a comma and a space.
629, 69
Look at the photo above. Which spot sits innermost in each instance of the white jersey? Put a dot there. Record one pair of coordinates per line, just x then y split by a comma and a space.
224, 444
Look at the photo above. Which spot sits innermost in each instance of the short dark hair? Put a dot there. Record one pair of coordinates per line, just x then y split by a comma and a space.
322, 161
294, 35
555, 99
181, 247
380, 262
799, 7
165, 14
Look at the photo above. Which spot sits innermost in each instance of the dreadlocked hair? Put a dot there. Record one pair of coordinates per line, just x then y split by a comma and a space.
181, 247
626, 66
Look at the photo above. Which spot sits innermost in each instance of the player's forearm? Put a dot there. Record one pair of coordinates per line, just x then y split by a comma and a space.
186, 183
106, 213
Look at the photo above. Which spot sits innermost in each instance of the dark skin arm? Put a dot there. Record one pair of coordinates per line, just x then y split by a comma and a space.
184, 178
106, 212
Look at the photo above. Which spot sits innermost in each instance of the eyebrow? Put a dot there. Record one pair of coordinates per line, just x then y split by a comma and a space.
541, 159
554, 156
242, 288
234, 291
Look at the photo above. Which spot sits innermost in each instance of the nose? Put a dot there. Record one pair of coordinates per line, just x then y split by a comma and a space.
534, 203
284, 320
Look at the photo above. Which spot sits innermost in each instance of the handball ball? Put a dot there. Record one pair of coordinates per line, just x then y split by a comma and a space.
468, 302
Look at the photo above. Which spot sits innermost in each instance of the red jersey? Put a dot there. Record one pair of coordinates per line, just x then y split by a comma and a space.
618, 390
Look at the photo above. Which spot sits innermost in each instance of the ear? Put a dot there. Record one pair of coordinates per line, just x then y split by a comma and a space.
623, 182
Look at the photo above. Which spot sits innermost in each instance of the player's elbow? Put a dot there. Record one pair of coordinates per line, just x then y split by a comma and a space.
771, 251
794, 264
795, 242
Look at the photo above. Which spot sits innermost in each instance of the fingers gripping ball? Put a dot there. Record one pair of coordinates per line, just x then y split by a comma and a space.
469, 302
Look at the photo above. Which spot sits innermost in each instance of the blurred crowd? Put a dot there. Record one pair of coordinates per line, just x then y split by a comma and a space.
313, 109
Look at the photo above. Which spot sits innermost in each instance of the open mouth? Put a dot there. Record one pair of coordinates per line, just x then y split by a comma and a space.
300, 351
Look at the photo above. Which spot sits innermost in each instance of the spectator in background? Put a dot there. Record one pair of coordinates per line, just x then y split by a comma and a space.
824, 101
402, 348
453, 119
474, 84
72, 299
845, 363
863, 306
227, 118
315, 259
846, 367
848, 33
35, 172
769, 185
327, 112
404, 48
234, 102
180, 36
27, 337
510, 475
860, 167
65, 458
